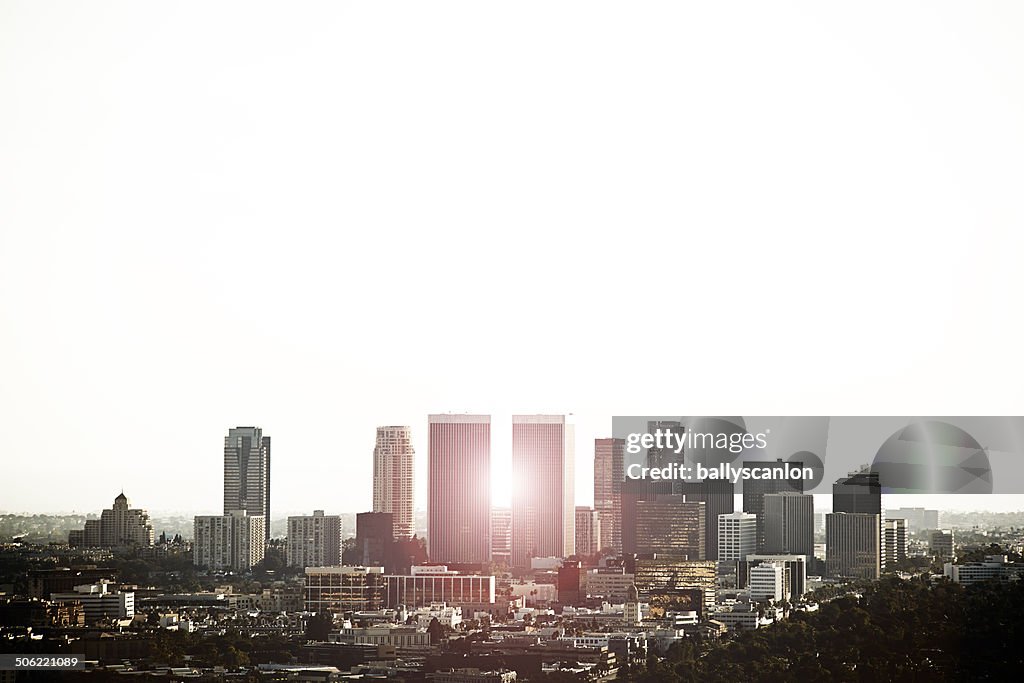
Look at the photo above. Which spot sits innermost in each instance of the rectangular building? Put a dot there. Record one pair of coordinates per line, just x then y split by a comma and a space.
588, 531
234, 542
853, 545
314, 541
336, 590
435, 584
247, 473
459, 489
789, 523
543, 509
737, 536
609, 471
670, 526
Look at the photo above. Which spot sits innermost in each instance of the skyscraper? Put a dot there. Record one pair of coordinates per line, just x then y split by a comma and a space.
588, 531
895, 550
754, 491
671, 527
393, 473
860, 492
247, 473
543, 510
737, 536
459, 496
789, 524
718, 498
852, 545
608, 474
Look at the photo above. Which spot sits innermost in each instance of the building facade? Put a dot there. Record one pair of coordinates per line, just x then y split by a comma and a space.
118, 526
789, 523
336, 590
232, 542
853, 547
588, 531
314, 541
247, 473
671, 527
895, 533
393, 476
737, 536
459, 496
543, 509
436, 583
609, 470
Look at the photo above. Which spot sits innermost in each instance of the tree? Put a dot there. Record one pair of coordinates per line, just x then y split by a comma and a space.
318, 627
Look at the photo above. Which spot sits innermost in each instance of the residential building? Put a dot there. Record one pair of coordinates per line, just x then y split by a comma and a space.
235, 541
393, 476
895, 532
588, 531
247, 473
118, 526
314, 541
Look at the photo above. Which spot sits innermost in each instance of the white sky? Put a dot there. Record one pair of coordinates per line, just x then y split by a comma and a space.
321, 217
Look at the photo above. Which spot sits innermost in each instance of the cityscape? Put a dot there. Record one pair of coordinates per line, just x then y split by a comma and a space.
657, 580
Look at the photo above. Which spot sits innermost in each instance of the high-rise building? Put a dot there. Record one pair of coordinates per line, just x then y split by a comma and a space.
860, 492
609, 470
737, 536
789, 523
853, 547
895, 531
314, 541
719, 499
393, 474
459, 496
234, 541
670, 527
375, 532
588, 531
754, 491
247, 473
501, 535
940, 543
118, 526
768, 581
796, 571
543, 511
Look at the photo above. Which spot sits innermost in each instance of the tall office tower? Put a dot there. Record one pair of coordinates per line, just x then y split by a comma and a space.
375, 534
737, 536
118, 526
247, 473
543, 512
459, 496
718, 498
314, 541
754, 491
233, 541
789, 524
895, 531
588, 531
501, 535
393, 473
662, 457
860, 492
853, 547
671, 527
609, 471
